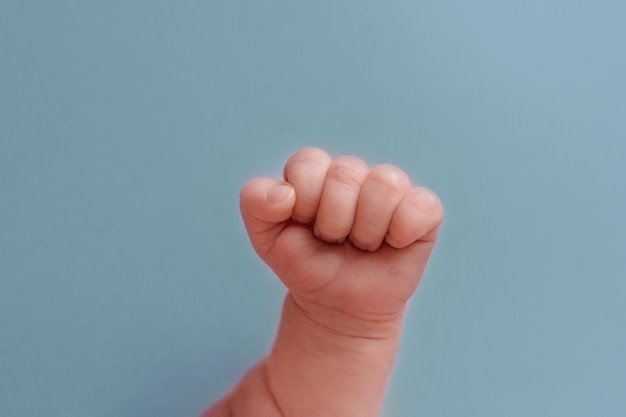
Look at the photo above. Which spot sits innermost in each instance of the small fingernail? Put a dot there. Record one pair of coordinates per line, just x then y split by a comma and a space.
278, 193
302, 219
326, 239
357, 244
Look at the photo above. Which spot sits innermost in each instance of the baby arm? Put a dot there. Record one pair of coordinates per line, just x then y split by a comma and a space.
350, 243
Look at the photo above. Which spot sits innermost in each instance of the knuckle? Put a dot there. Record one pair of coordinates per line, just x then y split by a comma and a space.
347, 172
389, 176
309, 155
304, 158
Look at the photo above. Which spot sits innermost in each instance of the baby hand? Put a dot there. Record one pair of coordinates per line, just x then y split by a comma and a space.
343, 238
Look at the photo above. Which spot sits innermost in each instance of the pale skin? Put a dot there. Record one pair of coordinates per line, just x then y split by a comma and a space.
350, 243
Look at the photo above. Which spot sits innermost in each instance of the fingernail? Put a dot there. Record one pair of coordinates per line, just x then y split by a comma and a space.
326, 239
357, 244
302, 219
278, 193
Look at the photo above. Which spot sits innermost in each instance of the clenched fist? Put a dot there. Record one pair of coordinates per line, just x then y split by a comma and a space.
342, 236
351, 244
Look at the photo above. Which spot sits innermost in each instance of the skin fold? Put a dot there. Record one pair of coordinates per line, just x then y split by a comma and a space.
351, 244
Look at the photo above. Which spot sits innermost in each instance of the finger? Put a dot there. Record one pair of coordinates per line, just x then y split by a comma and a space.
417, 217
339, 198
305, 171
265, 206
382, 191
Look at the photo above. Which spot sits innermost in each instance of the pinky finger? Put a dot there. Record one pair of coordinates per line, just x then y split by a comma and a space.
417, 217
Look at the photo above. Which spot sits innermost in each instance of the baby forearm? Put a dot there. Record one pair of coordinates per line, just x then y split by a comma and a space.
313, 370
317, 369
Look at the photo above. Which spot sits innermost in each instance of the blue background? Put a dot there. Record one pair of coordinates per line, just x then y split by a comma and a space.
127, 285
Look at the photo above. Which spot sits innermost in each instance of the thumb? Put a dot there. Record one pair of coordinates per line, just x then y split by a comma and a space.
266, 204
